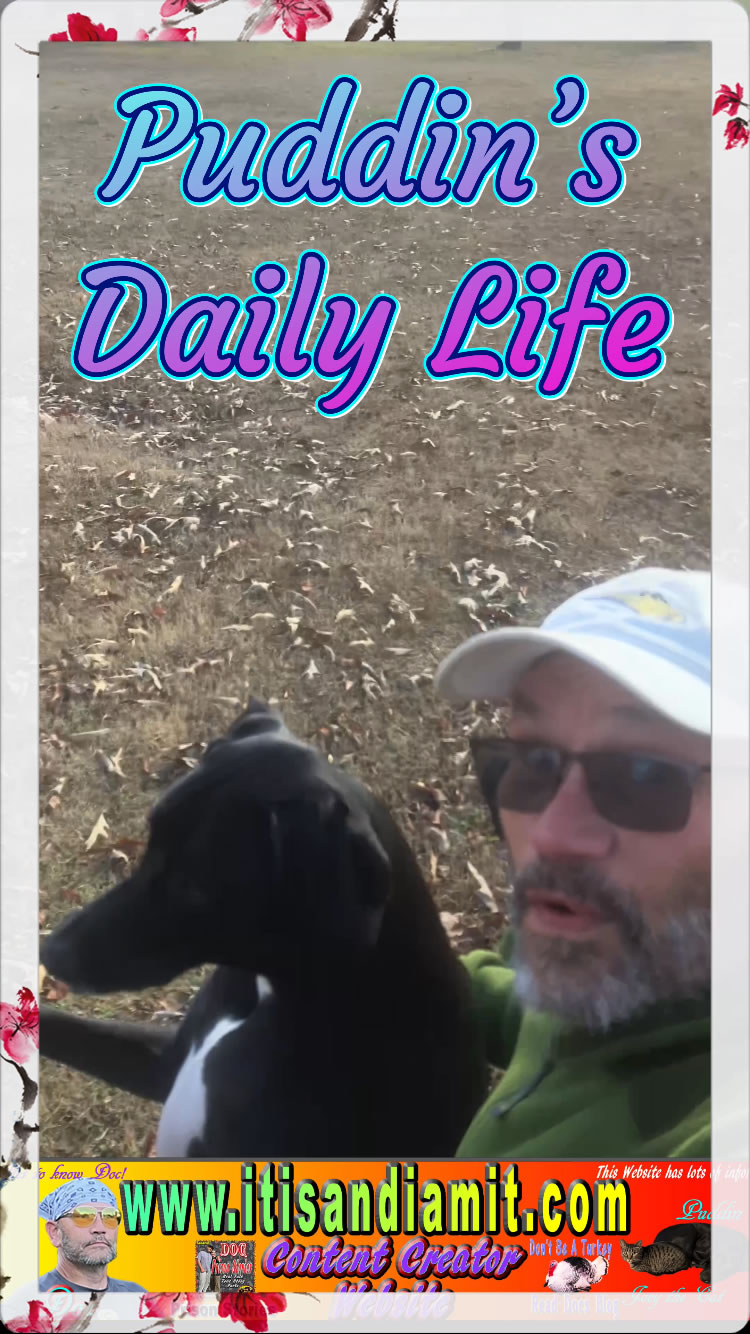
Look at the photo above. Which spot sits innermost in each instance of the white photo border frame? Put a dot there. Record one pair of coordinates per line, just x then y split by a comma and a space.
722, 23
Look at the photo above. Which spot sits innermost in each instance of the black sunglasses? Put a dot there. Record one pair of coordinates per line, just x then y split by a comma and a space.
641, 792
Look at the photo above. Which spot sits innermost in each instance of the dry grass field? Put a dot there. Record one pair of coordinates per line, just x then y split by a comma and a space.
203, 541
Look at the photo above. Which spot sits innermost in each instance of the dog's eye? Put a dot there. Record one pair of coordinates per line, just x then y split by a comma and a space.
183, 888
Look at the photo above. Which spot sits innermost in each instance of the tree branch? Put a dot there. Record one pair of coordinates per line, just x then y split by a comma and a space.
30, 1087
86, 1315
266, 10
192, 11
369, 13
388, 26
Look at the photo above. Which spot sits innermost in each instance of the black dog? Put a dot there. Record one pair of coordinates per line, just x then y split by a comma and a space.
338, 1023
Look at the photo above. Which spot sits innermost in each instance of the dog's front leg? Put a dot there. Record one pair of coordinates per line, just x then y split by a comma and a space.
133, 1057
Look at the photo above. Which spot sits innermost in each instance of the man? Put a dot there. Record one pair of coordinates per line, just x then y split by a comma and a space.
205, 1265
598, 1008
82, 1218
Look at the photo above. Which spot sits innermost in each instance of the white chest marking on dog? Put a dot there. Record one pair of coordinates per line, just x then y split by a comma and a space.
264, 987
184, 1114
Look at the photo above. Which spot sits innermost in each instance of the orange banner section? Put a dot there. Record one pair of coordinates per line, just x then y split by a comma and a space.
425, 1226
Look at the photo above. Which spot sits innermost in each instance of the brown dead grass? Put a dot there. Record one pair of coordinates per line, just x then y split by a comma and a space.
352, 553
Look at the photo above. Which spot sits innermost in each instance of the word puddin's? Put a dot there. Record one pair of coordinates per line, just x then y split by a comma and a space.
379, 164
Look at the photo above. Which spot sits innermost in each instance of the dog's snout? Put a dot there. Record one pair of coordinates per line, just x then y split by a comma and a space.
59, 957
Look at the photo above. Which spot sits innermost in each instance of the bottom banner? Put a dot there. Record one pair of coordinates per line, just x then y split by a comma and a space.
557, 1229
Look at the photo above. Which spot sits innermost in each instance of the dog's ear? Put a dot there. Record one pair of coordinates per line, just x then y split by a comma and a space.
331, 867
257, 718
368, 865
364, 870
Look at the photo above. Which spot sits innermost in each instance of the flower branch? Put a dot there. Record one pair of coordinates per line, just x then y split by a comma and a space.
729, 100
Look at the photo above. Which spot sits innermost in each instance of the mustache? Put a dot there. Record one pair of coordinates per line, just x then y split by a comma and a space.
584, 885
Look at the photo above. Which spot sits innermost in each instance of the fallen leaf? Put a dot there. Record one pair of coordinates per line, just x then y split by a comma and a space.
100, 830
483, 888
110, 763
49, 988
452, 925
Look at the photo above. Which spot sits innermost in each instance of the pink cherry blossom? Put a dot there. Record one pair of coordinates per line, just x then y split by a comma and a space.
169, 1305
296, 16
82, 29
40, 1320
19, 1026
168, 35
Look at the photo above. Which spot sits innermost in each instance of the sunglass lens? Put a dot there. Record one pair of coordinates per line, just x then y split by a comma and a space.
83, 1217
530, 780
639, 792
517, 777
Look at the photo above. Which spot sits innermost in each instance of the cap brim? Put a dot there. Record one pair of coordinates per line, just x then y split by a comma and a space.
488, 666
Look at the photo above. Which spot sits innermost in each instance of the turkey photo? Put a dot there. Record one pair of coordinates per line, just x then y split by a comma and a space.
575, 1273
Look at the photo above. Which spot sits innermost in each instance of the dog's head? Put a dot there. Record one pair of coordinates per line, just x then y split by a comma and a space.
262, 857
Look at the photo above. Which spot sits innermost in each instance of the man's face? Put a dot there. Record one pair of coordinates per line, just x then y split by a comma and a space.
92, 1246
607, 920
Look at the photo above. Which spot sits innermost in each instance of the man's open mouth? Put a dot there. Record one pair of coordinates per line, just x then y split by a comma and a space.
556, 914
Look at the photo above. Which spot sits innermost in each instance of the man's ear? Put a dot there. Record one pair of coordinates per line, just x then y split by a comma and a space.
53, 1232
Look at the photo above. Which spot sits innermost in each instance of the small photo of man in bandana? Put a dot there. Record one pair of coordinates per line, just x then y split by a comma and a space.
82, 1220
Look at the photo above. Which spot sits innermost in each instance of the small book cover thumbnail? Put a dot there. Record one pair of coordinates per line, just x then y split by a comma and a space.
224, 1266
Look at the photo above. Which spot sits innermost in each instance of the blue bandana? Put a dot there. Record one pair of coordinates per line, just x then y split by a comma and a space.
65, 1198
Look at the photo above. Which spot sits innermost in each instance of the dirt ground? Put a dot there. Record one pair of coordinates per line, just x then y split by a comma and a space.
203, 541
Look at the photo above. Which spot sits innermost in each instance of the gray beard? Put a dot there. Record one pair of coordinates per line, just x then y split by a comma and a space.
78, 1255
654, 966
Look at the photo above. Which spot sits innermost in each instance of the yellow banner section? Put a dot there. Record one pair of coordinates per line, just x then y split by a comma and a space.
306, 1226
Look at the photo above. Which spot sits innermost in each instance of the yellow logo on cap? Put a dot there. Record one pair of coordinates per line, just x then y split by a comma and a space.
652, 605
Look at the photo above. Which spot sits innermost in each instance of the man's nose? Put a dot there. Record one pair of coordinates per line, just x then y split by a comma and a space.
570, 828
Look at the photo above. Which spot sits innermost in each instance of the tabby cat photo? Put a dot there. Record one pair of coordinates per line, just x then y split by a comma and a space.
680, 1246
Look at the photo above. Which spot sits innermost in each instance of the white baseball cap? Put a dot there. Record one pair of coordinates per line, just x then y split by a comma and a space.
649, 630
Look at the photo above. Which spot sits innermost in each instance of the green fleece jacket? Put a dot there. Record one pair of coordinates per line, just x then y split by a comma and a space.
641, 1090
